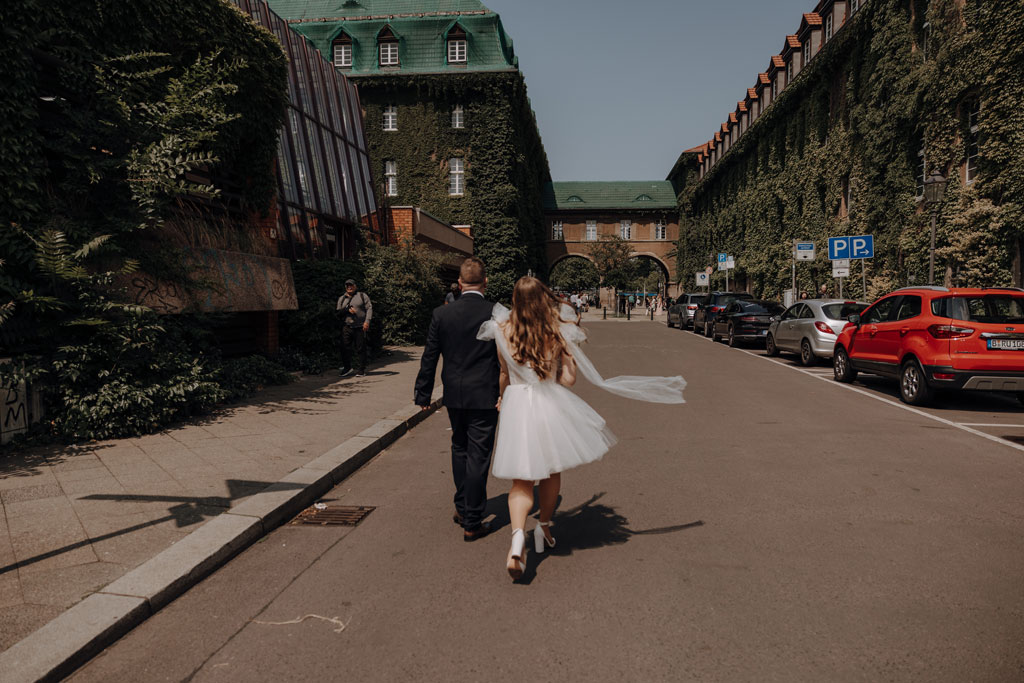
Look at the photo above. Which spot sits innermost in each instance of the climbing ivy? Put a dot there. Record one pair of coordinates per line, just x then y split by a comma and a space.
860, 113
505, 163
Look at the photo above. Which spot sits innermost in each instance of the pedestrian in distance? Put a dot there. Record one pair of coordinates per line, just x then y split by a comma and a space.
470, 380
823, 292
544, 428
803, 295
355, 310
452, 294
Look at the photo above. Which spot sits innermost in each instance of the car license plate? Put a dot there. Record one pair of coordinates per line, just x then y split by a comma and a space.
1006, 344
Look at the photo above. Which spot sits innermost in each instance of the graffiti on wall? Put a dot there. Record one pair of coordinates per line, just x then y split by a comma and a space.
223, 281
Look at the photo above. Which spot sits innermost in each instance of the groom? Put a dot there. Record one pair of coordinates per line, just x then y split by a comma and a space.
470, 379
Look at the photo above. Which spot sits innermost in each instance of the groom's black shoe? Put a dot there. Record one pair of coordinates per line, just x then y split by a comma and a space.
476, 532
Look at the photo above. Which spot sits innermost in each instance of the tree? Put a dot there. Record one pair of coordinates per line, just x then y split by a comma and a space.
575, 274
614, 261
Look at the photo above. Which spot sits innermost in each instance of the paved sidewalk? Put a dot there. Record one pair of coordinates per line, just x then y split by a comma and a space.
77, 518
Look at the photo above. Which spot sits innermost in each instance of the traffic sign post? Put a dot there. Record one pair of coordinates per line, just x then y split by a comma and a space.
802, 251
726, 262
702, 279
859, 248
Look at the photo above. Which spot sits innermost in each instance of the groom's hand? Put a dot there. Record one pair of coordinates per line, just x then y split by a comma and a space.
424, 407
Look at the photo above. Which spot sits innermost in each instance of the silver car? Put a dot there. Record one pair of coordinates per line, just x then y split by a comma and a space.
810, 328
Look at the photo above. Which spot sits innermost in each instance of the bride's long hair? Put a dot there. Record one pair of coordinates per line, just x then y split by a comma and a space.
533, 327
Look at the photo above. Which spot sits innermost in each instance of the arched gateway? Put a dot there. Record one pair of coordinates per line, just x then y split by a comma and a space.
644, 214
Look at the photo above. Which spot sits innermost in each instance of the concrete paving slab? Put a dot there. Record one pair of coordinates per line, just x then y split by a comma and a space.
80, 462
23, 618
64, 586
283, 500
26, 477
10, 589
337, 457
168, 574
59, 646
26, 493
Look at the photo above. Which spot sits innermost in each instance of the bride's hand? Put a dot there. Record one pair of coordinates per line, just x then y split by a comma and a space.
497, 406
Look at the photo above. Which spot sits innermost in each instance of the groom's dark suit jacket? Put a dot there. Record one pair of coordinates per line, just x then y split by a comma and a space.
470, 372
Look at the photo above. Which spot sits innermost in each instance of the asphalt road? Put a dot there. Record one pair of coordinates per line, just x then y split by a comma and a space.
777, 527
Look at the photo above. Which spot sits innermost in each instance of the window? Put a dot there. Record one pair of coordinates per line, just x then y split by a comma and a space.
659, 230
391, 178
457, 51
848, 183
910, 307
390, 117
789, 70
592, 231
854, 6
456, 177
626, 229
556, 230
343, 52
458, 117
879, 313
807, 50
919, 173
775, 88
389, 53
926, 37
828, 27
971, 173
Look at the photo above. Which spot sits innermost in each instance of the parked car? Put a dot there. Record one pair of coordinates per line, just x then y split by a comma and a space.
937, 338
710, 306
681, 312
746, 320
810, 328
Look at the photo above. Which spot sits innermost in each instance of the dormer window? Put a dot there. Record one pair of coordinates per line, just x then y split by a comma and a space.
388, 47
643, 198
457, 45
341, 50
574, 198
828, 27
775, 88
807, 50
789, 70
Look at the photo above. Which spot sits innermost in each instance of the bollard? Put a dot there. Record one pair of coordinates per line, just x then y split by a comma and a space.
629, 309
652, 315
605, 309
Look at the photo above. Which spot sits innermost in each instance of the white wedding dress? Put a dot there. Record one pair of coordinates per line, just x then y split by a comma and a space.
544, 427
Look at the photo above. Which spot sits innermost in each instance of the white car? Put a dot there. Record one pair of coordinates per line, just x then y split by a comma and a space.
810, 328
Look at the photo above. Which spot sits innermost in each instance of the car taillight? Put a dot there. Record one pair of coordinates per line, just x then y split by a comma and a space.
822, 327
943, 375
949, 331
691, 308
716, 309
748, 319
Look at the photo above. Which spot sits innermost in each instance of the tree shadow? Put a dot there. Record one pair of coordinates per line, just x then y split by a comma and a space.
186, 511
591, 525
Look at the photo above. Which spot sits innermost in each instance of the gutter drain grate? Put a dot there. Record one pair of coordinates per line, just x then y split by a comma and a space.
333, 515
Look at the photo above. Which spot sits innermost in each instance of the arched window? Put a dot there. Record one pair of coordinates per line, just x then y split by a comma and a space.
574, 198
341, 49
643, 198
387, 47
457, 45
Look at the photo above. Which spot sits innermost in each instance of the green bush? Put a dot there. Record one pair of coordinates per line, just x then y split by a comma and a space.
242, 377
404, 283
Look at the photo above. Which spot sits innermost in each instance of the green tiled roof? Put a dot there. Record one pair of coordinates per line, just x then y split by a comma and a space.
422, 46
624, 194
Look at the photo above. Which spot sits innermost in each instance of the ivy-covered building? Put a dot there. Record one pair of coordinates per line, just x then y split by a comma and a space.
448, 122
862, 104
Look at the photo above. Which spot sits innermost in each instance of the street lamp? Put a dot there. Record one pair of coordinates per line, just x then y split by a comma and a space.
934, 188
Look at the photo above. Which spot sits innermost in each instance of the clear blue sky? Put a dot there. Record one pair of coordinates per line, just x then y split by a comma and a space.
621, 88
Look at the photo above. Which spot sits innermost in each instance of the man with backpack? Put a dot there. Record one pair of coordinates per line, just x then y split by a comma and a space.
355, 311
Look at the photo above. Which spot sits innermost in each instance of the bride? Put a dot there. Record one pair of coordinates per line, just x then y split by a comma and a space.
544, 428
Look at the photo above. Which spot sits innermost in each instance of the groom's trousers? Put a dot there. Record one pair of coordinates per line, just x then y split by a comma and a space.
472, 442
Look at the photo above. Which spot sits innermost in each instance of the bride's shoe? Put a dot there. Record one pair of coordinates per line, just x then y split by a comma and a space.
516, 564
540, 539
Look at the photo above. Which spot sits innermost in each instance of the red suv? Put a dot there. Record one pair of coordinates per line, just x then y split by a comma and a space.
937, 338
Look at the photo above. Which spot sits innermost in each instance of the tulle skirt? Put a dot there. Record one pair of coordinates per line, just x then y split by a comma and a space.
544, 428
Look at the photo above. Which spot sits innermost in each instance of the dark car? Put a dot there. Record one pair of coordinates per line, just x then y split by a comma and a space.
681, 312
710, 306
746, 320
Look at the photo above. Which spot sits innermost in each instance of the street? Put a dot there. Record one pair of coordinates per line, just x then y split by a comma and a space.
777, 527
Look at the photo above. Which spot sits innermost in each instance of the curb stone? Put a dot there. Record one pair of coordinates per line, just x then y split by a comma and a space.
86, 629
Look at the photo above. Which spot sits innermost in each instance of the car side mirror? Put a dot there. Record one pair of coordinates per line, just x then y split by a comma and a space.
854, 318
773, 319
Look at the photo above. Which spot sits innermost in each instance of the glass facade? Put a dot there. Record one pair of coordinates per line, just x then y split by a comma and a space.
325, 190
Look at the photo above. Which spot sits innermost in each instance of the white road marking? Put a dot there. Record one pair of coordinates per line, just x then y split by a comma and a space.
331, 620
936, 418
989, 424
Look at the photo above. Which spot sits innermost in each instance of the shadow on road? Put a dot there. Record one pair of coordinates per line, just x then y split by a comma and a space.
591, 525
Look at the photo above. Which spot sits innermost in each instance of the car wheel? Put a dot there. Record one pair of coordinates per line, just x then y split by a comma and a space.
807, 357
695, 330
842, 368
668, 321
732, 337
769, 346
914, 387
1020, 397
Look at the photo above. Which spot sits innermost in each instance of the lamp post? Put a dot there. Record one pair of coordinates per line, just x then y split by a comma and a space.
934, 188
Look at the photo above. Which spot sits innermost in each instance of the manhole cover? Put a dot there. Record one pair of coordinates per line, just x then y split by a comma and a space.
333, 515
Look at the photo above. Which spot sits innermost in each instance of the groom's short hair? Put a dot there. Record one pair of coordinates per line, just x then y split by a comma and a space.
472, 271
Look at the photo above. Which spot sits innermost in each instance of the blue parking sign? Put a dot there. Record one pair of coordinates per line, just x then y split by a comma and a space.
838, 248
722, 258
862, 246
